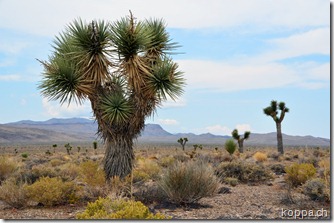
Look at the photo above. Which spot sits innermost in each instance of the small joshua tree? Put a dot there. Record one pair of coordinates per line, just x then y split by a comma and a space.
68, 148
183, 142
240, 139
54, 148
230, 146
272, 111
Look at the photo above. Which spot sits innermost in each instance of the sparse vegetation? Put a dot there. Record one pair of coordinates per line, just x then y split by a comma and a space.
186, 183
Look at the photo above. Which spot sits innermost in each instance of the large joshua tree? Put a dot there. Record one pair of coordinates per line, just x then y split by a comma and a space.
240, 139
124, 69
272, 111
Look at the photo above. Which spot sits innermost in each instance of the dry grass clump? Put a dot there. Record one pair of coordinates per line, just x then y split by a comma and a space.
185, 183
7, 167
13, 193
260, 157
316, 190
147, 168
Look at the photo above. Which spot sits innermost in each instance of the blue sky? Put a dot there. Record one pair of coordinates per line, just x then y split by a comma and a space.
237, 56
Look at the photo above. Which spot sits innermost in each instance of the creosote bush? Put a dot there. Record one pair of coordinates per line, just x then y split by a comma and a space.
105, 208
52, 191
185, 183
298, 174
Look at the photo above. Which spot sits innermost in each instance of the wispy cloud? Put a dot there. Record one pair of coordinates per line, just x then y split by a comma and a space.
10, 77
54, 109
168, 122
44, 18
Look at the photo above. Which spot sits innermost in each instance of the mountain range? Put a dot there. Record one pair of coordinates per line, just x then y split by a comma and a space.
84, 130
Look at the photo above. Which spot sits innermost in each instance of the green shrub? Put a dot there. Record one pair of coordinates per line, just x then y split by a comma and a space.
188, 182
105, 208
316, 190
51, 191
13, 193
244, 172
298, 174
230, 146
24, 155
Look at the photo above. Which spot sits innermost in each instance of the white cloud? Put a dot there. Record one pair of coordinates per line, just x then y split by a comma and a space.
243, 128
48, 17
10, 77
170, 103
168, 122
218, 130
227, 77
54, 109
315, 41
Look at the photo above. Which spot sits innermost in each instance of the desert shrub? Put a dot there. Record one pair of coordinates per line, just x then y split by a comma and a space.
231, 181
13, 193
51, 191
244, 172
298, 174
91, 173
39, 171
260, 157
166, 161
93, 177
189, 182
24, 155
7, 167
105, 208
316, 190
274, 155
278, 168
181, 157
56, 162
230, 146
149, 167
69, 171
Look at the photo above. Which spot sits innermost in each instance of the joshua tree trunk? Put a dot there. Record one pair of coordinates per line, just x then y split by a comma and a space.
279, 138
241, 145
119, 156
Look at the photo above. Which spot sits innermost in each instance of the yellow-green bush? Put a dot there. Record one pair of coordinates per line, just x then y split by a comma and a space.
166, 161
52, 191
13, 193
105, 208
298, 174
92, 174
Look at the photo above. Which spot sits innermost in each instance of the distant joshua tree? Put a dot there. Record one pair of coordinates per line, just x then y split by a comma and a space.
183, 142
272, 111
240, 139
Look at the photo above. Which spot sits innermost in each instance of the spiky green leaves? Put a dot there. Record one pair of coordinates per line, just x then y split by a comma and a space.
235, 134
129, 38
272, 110
61, 81
166, 81
116, 108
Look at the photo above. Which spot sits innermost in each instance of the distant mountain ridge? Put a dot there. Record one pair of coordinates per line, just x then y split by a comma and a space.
84, 130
